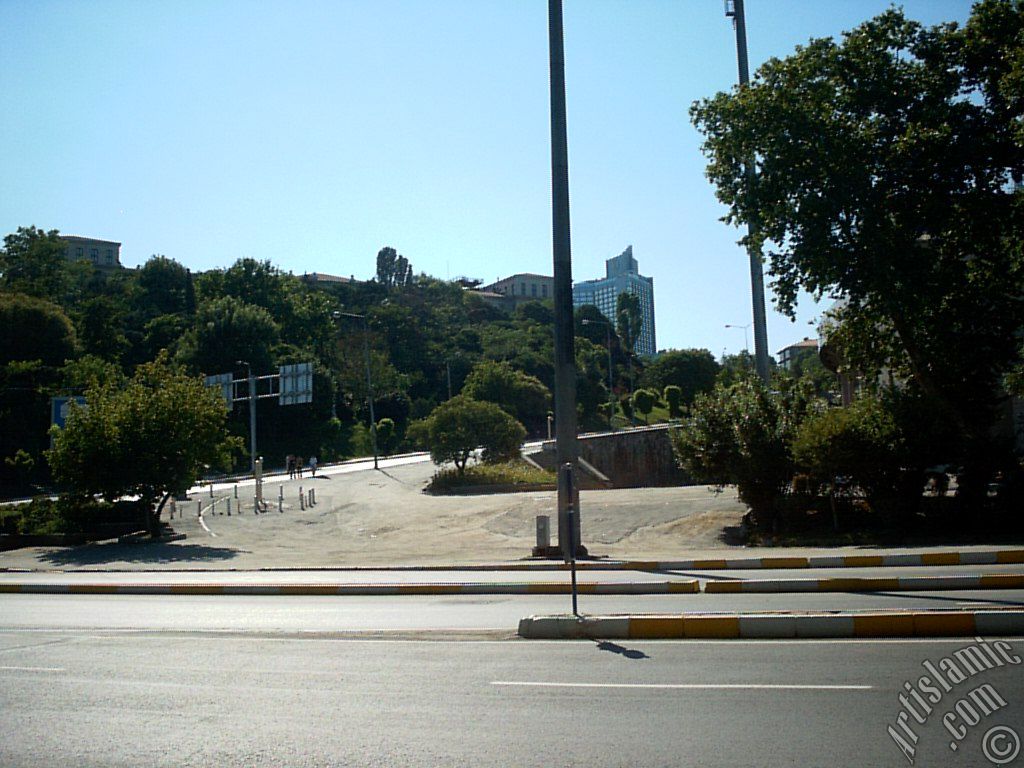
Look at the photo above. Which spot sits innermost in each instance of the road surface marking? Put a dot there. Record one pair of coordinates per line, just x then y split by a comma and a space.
32, 669
202, 522
690, 686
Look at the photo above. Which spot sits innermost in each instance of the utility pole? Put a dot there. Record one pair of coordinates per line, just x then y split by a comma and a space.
566, 450
734, 9
252, 415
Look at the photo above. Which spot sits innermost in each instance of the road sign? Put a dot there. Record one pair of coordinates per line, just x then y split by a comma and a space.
223, 381
296, 384
61, 406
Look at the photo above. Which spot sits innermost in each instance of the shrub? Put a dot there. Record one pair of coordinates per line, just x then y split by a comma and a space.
674, 397
643, 402
740, 435
457, 427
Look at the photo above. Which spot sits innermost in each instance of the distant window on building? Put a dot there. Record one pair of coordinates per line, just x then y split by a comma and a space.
109, 256
522, 289
94, 254
79, 253
533, 290
544, 291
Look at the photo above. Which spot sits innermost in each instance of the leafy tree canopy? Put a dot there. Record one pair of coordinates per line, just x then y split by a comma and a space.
34, 329
517, 393
32, 262
457, 427
883, 166
692, 370
150, 437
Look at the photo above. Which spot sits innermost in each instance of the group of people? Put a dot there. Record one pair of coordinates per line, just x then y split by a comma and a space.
295, 465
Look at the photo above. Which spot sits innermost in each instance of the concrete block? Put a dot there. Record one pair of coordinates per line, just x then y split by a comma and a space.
995, 623
768, 626
824, 626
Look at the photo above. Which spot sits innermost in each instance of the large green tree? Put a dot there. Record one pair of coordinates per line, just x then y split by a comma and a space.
459, 426
692, 370
149, 437
521, 395
32, 262
883, 177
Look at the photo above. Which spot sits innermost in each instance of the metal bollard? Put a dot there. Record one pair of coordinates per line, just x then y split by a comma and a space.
236, 490
211, 490
302, 499
312, 494
229, 506
280, 492
280, 504
172, 509
199, 509
255, 505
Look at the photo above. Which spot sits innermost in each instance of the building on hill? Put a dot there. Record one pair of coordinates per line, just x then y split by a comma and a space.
102, 254
509, 292
789, 355
622, 275
321, 278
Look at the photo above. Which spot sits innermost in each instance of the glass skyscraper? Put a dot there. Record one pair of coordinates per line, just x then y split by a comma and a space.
622, 275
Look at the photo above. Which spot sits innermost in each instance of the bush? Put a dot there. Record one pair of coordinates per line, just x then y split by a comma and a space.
740, 435
457, 427
643, 402
674, 397
516, 472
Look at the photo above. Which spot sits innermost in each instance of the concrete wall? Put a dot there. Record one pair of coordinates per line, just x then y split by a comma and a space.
634, 458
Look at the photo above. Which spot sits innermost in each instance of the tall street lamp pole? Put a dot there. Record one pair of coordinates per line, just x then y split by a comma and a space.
566, 449
369, 381
252, 414
611, 390
746, 347
734, 9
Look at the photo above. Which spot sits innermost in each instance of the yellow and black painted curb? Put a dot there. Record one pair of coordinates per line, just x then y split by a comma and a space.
776, 625
966, 557
883, 584
688, 586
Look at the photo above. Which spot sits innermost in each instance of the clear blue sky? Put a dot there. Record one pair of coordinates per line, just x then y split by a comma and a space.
314, 133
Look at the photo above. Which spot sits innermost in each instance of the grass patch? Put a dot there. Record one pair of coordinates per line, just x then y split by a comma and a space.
516, 472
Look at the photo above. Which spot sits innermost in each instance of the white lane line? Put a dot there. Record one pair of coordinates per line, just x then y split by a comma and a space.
202, 522
689, 686
32, 669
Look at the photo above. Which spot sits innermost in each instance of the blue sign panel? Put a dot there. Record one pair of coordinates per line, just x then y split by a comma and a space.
60, 406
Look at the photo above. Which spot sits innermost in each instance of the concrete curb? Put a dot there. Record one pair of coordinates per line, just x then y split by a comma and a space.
854, 584
967, 557
479, 588
776, 625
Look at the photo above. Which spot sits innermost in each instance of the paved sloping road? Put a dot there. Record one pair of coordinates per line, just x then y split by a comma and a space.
94, 699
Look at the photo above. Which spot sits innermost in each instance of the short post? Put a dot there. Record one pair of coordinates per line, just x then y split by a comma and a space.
236, 490
199, 509
255, 505
172, 508
302, 499
280, 504
280, 492
228, 500
211, 489
571, 553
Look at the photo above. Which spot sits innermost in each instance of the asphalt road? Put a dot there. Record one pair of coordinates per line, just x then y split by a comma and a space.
71, 698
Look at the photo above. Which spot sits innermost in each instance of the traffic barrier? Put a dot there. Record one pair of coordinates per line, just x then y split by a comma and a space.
937, 623
882, 584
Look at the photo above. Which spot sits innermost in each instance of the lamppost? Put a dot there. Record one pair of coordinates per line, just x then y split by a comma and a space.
734, 10
746, 347
252, 413
611, 392
369, 381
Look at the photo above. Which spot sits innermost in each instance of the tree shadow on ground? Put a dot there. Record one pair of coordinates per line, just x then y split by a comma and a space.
155, 553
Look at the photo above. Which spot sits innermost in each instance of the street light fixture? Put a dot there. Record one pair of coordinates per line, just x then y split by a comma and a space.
746, 346
611, 392
369, 381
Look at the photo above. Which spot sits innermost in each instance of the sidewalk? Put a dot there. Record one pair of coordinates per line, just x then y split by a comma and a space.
365, 518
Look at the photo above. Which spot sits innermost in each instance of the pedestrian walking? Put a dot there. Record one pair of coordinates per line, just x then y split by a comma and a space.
312, 465
290, 462
298, 466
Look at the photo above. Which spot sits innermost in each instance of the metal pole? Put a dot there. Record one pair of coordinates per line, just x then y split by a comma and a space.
369, 388
571, 554
611, 386
252, 419
756, 269
566, 450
